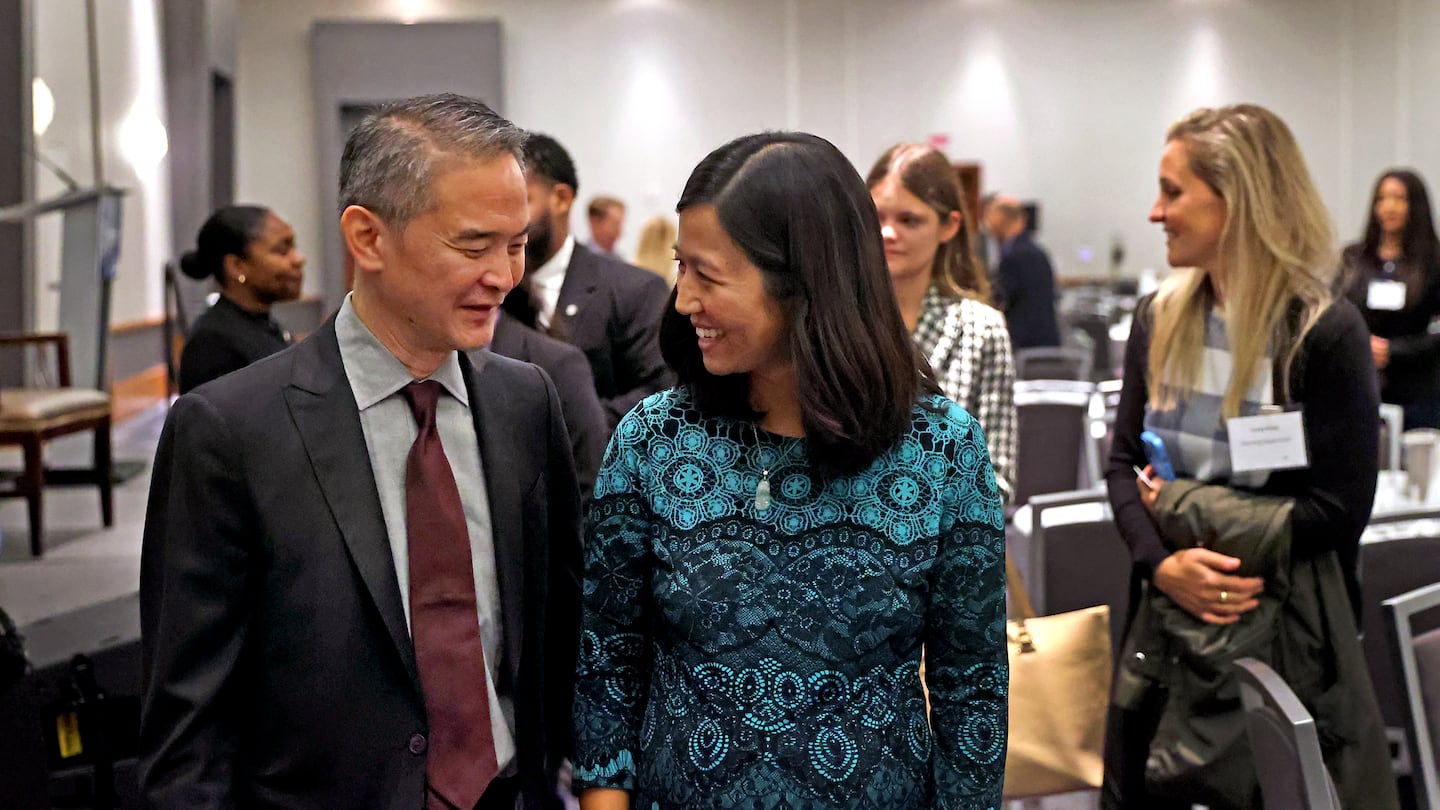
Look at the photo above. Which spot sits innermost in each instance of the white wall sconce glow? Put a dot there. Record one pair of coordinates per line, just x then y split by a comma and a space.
413, 11
143, 141
42, 106
1204, 77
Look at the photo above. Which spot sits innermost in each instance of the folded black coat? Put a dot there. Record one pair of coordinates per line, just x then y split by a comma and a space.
1303, 628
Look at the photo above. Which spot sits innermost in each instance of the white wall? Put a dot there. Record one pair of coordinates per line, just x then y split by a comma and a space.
1061, 101
1420, 33
132, 105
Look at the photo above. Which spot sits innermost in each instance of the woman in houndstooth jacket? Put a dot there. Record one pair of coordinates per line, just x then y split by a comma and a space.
944, 294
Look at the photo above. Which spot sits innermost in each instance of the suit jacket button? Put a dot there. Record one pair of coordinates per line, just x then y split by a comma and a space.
418, 744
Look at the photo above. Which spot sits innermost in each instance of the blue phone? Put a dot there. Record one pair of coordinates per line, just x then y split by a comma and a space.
1156, 455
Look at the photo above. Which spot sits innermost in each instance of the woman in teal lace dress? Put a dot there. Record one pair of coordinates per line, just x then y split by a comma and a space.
773, 543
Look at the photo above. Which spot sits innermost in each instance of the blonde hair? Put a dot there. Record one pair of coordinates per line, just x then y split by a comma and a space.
1276, 248
925, 172
656, 249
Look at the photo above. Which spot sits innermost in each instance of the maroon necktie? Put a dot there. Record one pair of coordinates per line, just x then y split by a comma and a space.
444, 624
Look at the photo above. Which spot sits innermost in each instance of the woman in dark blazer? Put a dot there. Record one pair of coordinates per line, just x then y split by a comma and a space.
1393, 276
251, 254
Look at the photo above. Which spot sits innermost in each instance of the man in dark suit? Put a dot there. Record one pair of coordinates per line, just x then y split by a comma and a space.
1024, 275
609, 309
584, 415
360, 573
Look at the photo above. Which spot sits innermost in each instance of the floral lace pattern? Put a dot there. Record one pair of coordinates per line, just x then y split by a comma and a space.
732, 657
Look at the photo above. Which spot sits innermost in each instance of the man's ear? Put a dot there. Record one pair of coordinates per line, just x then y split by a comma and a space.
562, 199
364, 234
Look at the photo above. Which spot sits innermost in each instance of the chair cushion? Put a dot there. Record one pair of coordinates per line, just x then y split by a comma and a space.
33, 403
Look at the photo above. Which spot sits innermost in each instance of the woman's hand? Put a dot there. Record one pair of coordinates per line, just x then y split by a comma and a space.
1380, 350
1149, 492
1199, 580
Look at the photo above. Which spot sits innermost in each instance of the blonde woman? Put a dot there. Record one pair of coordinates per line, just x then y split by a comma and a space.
656, 250
944, 293
1244, 327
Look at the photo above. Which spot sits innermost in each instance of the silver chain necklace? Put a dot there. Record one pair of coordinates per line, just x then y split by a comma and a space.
762, 489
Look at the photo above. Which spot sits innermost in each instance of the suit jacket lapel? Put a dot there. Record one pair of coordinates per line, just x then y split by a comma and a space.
497, 451
582, 279
328, 420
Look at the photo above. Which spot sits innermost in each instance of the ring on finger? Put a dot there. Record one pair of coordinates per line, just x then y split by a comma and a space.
1224, 597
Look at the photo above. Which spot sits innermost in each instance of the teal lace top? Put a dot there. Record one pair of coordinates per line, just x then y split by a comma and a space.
743, 658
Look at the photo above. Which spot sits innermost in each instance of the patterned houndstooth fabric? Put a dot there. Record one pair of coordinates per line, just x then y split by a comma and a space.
968, 345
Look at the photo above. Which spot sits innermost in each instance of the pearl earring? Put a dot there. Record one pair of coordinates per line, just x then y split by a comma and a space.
241, 279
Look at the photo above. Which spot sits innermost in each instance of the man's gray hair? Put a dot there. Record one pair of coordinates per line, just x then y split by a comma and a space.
391, 158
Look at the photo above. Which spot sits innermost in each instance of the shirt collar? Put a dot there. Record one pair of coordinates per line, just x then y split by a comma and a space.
375, 373
555, 265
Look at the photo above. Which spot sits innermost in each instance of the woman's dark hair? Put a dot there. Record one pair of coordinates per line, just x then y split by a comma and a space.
228, 232
925, 172
802, 215
1419, 244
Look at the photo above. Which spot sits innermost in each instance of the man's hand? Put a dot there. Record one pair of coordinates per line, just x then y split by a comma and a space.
1199, 580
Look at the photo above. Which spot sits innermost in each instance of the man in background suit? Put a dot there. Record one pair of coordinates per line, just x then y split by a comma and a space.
607, 308
360, 574
1024, 275
570, 371
987, 249
607, 219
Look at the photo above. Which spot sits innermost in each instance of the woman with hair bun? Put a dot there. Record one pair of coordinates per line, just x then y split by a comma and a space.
250, 253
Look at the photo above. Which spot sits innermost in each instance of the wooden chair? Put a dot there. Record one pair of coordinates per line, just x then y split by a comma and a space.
30, 417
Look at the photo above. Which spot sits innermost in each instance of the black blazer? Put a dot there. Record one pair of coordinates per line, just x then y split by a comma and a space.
279, 672
584, 415
1027, 294
611, 311
225, 338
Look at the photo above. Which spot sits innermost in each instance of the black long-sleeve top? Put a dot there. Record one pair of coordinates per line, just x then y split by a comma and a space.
1333, 381
1413, 373
227, 338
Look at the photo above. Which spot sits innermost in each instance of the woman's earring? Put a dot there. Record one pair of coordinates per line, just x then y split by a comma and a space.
241, 279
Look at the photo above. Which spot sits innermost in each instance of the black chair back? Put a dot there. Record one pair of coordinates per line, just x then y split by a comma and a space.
1283, 741
1053, 363
1416, 656
1389, 568
1078, 564
1054, 452
1097, 328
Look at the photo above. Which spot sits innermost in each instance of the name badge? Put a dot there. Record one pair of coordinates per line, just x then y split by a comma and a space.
1386, 295
1267, 442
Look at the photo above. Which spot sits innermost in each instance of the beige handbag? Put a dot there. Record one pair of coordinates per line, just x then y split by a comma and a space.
1059, 691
